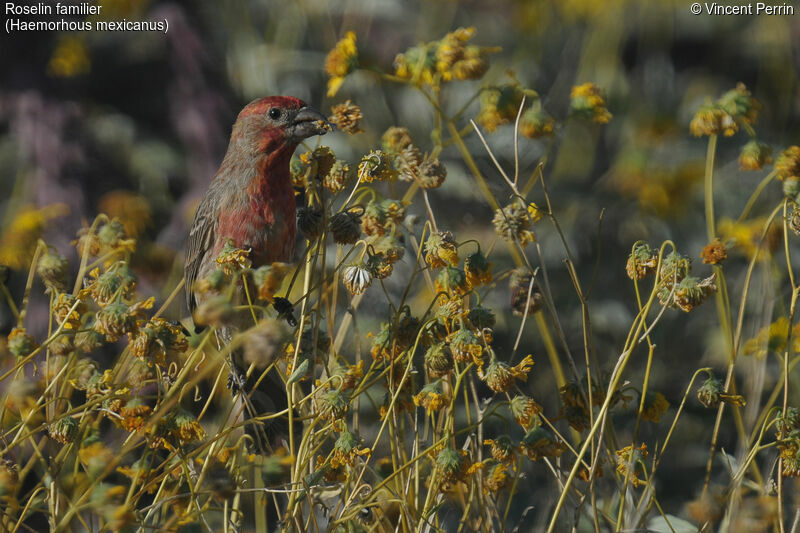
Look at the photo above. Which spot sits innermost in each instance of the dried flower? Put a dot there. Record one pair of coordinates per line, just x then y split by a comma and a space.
347, 116
526, 297
452, 281
481, 318
452, 465
309, 222
754, 156
52, 268
787, 166
438, 360
711, 119
535, 123
9, 477
525, 410
692, 291
356, 278
739, 103
500, 105
711, 393
233, 259
264, 342
112, 238
376, 166
134, 414
790, 458
118, 280
478, 269
268, 279
655, 405
465, 346
432, 396
337, 177
502, 448
539, 443
642, 261
714, 253
430, 173
156, 340
118, 319
64, 430
456, 60
628, 463
67, 310
588, 100
345, 227
20, 343
89, 340
396, 139
496, 479
514, 223
440, 250
340, 62
347, 448
334, 404
186, 428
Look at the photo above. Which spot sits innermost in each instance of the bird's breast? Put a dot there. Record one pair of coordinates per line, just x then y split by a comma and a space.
266, 226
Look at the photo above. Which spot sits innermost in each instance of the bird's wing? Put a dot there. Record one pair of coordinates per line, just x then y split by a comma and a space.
201, 240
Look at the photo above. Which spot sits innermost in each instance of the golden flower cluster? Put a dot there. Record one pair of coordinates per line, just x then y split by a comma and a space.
723, 116
341, 61
450, 58
588, 100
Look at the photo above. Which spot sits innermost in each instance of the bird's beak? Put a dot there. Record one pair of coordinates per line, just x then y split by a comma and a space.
307, 123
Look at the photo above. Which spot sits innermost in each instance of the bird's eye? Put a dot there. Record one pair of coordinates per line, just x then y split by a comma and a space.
274, 113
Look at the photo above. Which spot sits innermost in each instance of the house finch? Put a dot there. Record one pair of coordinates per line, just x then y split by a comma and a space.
251, 202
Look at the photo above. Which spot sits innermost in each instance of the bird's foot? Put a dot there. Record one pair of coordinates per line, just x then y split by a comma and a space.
236, 381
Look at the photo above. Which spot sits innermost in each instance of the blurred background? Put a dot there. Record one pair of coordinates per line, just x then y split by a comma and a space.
134, 124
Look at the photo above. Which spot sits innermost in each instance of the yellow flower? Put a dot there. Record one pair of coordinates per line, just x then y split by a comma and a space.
710, 119
714, 253
456, 60
502, 448
655, 405
157, 340
500, 104
440, 250
787, 166
268, 279
233, 259
535, 123
18, 242
477, 269
347, 448
524, 410
772, 339
432, 397
70, 58
376, 166
628, 463
341, 61
754, 156
588, 100
539, 443
131, 209
745, 237
497, 478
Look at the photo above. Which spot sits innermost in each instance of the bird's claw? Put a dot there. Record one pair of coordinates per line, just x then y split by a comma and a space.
236, 381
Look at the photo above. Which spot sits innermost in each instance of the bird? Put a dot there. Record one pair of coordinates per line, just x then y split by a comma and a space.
251, 202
